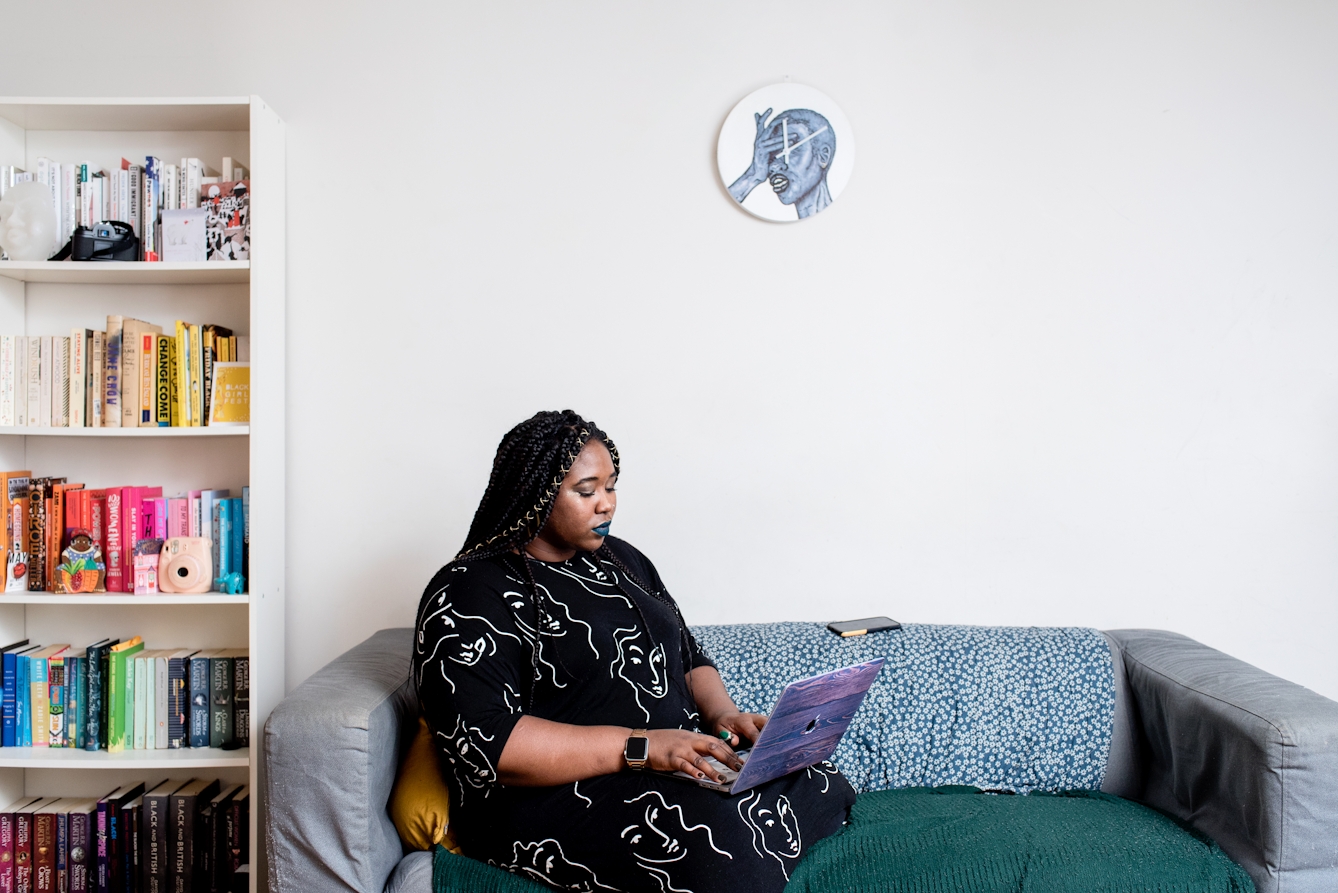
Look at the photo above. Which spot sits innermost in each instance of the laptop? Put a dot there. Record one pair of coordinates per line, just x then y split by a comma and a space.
804, 729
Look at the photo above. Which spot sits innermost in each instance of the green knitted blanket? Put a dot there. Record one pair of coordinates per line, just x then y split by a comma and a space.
958, 840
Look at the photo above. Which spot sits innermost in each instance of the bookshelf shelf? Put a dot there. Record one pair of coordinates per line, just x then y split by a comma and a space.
207, 431
70, 758
49, 298
128, 272
118, 598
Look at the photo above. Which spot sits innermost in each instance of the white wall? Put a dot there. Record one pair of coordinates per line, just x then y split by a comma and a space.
1063, 353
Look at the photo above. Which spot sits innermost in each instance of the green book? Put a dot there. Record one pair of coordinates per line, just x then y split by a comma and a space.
121, 693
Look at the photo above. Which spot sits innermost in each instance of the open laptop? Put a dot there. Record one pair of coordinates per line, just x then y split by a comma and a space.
806, 725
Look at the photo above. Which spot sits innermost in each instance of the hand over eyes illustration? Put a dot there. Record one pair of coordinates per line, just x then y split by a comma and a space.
794, 151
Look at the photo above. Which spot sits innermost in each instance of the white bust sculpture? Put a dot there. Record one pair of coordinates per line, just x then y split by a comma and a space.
28, 222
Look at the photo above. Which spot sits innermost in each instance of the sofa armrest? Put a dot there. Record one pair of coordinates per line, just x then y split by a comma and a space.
1243, 756
331, 753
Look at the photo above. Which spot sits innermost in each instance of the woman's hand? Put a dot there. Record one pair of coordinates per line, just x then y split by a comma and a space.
678, 750
741, 726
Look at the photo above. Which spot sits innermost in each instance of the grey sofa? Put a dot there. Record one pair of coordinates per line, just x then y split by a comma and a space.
1246, 757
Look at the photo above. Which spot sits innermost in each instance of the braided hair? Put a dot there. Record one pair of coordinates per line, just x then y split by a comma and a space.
531, 462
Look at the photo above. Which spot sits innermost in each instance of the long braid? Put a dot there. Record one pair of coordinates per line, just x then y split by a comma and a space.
604, 553
527, 471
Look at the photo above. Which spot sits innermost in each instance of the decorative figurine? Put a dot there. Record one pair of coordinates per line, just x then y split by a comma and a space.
28, 222
82, 569
146, 556
16, 572
233, 583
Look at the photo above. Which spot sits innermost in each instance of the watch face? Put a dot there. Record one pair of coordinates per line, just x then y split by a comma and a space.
637, 749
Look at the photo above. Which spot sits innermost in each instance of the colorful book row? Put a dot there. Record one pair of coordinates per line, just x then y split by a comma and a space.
130, 376
173, 837
116, 696
43, 515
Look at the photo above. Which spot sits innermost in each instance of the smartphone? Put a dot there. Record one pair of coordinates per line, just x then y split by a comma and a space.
847, 628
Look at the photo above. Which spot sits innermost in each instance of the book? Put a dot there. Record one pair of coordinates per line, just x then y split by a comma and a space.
44, 847
196, 376
6, 382
178, 699
162, 699
133, 397
14, 494
8, 659
238, 830
133, 530
63, 846
156, 876
246, 536
7, 842
95, 710
141, 701
121, 693
39, 734
220, 700
213, 843
109, 836
148, 376
198, 681
111, 401
55, 676
81, 346
228, 225
184, 805
126, 850
181, 393
114, 547
183, 234
82, 844
97, 380
22, 720
34, 379
60, 382
45, 381
162, 380
241, 698
23, 844
153, 167
76, 699
178, 523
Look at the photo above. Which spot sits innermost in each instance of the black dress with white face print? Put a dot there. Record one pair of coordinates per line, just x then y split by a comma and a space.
596, 649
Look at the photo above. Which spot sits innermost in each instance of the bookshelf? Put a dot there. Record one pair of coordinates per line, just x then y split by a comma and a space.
46, 298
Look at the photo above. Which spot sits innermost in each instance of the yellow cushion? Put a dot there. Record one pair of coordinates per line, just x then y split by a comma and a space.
420, 804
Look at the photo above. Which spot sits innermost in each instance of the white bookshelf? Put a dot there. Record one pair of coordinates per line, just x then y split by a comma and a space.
47, 298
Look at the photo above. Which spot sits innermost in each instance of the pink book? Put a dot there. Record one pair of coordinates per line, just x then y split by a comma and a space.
133, 527
160, 518
114, 547
178, 519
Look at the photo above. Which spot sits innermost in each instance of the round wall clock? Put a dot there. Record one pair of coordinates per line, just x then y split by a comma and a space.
785, 152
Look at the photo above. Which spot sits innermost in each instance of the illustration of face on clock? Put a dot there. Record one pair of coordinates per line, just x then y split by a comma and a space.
785, 152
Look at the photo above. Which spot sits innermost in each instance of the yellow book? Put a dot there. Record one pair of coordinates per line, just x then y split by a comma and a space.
174, 395
196, 378
162, 380
180, 401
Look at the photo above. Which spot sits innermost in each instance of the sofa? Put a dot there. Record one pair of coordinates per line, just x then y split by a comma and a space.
1238, 755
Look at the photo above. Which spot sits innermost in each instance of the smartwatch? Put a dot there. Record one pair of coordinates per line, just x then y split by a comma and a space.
637, 750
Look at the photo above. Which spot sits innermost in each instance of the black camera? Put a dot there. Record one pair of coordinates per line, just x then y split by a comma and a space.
109, 240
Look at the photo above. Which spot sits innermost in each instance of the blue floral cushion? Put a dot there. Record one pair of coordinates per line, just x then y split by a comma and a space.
999, 708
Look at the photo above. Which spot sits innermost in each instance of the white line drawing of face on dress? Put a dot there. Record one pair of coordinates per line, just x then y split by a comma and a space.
825, 770
544, 861
594, 580
774, 826
468, 763
467, 638
557, 624
792, 152
662, 836
640, 668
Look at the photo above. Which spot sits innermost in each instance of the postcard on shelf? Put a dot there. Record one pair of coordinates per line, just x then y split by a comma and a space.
230, 403
184, 234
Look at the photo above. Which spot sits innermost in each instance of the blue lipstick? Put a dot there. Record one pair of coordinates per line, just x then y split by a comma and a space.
603, 529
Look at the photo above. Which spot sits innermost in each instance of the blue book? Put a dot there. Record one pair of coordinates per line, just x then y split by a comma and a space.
217, 550
235, 542
8, 660
23, 726
74, 726
224, 540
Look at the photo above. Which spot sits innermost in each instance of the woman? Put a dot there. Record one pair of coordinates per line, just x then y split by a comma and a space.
545, 651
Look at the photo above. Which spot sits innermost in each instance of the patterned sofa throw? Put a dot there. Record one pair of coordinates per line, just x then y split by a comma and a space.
999, 708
